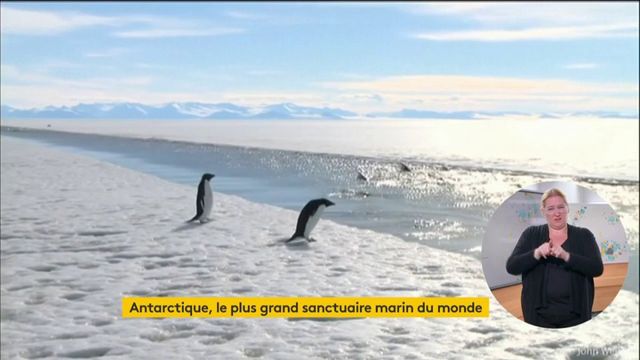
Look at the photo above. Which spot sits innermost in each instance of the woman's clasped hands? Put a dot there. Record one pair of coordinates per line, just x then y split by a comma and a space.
548, 249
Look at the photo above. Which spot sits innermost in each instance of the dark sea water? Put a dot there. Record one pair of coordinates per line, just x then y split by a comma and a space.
440, 205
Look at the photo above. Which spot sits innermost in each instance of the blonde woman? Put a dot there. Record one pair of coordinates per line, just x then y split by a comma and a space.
558, 262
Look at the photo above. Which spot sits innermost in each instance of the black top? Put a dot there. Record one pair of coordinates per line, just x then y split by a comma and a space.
558, 281
546, 282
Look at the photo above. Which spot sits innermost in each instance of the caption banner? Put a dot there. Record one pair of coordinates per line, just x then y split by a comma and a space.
303, 307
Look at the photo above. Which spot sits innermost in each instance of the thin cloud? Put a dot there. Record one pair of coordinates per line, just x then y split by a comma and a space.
147, 66
244, 15
173, 33
22, 87
47, 23
266, 73
38, 95
44, 76
459, 84
30, 22
362, 98
532, 13
32, 95
581, 66
548, 33
455, 92
108, 53
266, 17
522, 21
354, 76
8, 71
26, 88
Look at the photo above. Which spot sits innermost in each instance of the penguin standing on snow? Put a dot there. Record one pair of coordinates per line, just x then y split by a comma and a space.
204, 199
309, 217
361, 177
404, 167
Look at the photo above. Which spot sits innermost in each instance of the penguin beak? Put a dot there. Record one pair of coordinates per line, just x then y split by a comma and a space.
330, 203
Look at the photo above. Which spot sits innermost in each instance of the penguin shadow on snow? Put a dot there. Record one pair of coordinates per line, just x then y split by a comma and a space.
294, 245
298, 245
190, 226
307, 220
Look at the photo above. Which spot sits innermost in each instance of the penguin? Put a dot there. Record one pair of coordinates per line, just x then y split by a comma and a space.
309, 217
404, 167
204, 199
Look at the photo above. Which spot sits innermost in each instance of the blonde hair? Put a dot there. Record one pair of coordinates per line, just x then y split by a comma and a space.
550, 193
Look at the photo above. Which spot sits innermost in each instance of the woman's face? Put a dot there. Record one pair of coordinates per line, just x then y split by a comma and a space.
555, 211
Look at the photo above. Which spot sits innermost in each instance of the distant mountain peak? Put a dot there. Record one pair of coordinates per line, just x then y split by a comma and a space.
175, 110
283, 110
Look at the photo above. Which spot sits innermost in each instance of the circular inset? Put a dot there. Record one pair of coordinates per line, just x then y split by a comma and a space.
555, 254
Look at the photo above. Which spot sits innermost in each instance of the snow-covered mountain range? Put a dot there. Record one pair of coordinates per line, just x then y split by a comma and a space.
185, 110
196, 110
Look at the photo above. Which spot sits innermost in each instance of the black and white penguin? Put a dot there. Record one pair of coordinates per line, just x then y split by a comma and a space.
204, 199
309, 217
361, 177
404, 167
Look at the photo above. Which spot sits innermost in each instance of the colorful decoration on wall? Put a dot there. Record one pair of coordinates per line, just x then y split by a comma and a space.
526, 212
612, 218
611, 250
578, 214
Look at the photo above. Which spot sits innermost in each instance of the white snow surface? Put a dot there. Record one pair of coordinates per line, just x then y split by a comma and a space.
79, 234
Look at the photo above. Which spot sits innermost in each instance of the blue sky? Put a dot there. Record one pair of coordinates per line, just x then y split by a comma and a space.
532, 57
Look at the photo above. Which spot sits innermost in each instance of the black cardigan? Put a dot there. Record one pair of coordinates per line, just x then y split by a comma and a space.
584, 263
